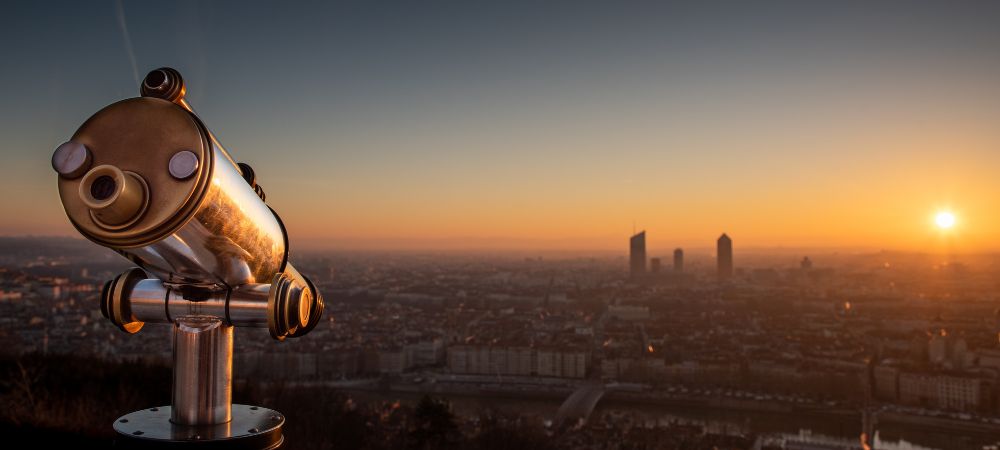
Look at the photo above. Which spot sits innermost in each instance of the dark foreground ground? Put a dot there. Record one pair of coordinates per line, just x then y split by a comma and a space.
71, 402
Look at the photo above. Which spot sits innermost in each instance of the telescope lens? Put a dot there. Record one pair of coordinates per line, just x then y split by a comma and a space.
155, 79
103, 187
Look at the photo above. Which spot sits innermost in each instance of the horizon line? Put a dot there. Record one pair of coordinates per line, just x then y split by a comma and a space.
423, 245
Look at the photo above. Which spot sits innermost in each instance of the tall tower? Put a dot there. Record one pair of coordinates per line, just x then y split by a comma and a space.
637, 254
724, 256
678, 260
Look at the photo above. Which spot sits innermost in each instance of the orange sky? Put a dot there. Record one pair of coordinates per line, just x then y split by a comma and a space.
788, 125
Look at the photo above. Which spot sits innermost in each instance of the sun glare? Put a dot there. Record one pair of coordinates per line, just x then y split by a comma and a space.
944, 220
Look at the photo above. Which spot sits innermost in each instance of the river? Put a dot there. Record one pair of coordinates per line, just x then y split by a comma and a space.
815, 427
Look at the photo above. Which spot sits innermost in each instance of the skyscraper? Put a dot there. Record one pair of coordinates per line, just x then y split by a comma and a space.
678, 260
724, 256
654, 265
637, 254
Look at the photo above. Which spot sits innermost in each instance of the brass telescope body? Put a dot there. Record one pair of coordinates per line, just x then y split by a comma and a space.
145, 178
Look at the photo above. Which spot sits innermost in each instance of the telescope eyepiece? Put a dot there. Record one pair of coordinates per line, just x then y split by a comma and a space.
115, 198
103, 187
155, 80
165, 83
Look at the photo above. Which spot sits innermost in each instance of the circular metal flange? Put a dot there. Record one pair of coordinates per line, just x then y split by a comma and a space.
114, 304
141, 135
252, 427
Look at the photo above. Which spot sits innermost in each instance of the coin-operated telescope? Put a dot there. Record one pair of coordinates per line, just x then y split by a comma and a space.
145, 177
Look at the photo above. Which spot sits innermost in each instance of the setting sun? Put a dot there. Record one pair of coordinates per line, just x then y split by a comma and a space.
944, 220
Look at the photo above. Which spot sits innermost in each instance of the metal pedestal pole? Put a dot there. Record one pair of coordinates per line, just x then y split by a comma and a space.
202, 413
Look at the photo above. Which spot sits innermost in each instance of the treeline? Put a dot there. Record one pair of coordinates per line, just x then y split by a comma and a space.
72, 401
65, 401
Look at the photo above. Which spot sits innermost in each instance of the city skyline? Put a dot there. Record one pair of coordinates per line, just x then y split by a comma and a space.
769, 121
896, 343
807, 191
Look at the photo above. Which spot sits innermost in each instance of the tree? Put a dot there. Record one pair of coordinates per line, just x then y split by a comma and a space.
433, 425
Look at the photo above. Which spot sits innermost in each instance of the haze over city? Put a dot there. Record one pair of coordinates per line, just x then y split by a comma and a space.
565, 225
557, 126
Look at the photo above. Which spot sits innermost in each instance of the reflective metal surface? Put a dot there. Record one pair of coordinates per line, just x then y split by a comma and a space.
294, 305
251, 427
152, 302
184, 212
203, 364
248, 305
166, 195
290, 306
233, 238
115, 304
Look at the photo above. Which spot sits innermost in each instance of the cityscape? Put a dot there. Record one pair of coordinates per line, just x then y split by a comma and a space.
755, 349
516, 225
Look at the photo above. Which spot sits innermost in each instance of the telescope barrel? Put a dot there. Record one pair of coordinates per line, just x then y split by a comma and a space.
146, 178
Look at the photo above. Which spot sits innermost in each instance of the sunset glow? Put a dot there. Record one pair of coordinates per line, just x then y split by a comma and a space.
944, 220
563, 224
562, 140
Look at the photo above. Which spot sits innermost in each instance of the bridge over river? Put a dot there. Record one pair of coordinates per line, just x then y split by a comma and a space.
581, 403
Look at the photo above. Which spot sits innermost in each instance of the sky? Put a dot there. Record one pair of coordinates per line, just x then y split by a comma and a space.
545, 125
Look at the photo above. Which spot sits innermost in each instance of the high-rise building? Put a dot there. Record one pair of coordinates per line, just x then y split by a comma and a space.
678, 260
637, 254
654, 265
724, 256
806, 263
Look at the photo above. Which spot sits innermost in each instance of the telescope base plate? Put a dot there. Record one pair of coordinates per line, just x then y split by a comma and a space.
251, 427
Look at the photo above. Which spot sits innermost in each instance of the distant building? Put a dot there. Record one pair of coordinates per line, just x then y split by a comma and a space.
615, 368
961, 393
806, 263
559, 363
9, 295
50, 290
637, 254
989, 358
947, 351
654, 265
628, 312
678, 260
285, 366
724, 256
519, 361
426, 352
886, 380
